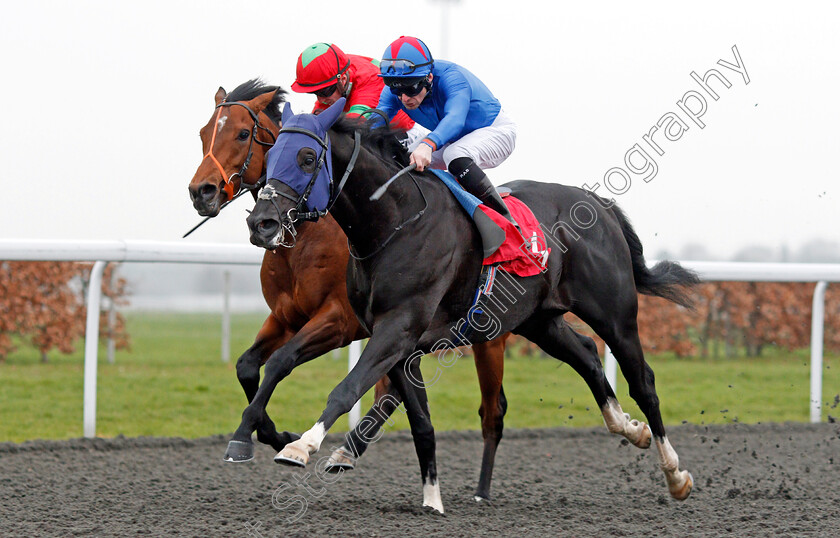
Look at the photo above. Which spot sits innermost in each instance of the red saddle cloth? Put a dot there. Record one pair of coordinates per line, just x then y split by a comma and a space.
523, 254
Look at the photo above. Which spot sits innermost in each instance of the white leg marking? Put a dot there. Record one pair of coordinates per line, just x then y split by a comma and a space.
619, 422
298, 452
680, 483
431, 496
313, 437
668, 459
614, 417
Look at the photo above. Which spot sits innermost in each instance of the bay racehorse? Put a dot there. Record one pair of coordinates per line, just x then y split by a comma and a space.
306, 291
416, 265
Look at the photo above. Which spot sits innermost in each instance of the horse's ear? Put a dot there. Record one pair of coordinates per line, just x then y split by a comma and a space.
287, 113
259, 103
330, 115
220, 95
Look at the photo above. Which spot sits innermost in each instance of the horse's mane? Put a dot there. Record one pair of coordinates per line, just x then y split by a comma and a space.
382, 141
256, 87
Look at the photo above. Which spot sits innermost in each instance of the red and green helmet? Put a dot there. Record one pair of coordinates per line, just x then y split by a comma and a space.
319, 66
407, 57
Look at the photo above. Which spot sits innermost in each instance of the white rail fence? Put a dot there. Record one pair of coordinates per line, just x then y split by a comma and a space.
821, 273
103, 252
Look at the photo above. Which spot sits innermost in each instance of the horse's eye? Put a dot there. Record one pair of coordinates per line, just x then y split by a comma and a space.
243, 134
306, 159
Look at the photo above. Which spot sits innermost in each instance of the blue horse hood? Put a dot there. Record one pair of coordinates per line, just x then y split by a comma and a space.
282, 163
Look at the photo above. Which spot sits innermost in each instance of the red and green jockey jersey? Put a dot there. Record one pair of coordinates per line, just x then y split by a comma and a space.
367, 87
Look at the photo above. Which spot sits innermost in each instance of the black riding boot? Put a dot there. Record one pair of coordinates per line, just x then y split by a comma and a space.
476, 182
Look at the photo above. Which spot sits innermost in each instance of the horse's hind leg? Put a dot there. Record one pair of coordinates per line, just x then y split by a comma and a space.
621, 333
559, 340
489, 364
616, 420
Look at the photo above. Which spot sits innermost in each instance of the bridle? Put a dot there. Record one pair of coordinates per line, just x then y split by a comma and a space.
228, 184
299, 212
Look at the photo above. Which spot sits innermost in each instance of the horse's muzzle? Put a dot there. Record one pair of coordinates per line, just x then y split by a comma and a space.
205, 199
265, 229
264, 232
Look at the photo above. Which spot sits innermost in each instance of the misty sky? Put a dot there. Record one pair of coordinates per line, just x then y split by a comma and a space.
103, 102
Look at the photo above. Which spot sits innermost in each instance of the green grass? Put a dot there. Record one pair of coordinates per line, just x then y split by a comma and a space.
173, 383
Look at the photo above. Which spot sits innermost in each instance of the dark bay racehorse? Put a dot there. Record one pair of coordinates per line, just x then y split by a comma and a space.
306, 291
416, 264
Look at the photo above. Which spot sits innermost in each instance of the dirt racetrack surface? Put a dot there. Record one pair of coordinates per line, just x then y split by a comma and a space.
750, 480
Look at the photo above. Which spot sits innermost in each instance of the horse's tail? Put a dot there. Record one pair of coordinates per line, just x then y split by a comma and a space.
666, 279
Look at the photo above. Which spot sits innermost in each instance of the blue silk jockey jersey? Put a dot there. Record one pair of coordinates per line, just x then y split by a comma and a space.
458, 104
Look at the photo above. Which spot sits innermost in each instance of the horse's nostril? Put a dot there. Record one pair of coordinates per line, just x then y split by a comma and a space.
267, 226
207, 191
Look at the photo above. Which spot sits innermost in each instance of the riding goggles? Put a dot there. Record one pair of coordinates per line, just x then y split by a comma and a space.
399, 67
323, 93
411, 89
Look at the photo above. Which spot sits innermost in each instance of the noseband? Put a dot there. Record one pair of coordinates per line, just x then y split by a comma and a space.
228, 184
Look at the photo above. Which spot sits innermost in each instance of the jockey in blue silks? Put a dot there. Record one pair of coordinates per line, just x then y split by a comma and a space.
469, 129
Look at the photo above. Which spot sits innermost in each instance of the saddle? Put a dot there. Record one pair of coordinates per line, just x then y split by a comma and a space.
523, 251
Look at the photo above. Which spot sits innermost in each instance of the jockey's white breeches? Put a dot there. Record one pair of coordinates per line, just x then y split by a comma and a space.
488, 146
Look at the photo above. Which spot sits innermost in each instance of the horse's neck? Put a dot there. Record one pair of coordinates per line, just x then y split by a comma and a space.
368, 223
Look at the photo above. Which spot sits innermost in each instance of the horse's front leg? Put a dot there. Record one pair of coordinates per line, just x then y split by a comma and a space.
408, 379
321, 334
271, 337
390, 342
386, 399
406, 386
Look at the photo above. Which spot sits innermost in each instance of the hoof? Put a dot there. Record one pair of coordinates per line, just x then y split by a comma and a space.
293, 456
644, 439
340, 460
681, 491
334, 467
239, 451
482, 495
